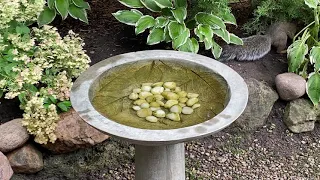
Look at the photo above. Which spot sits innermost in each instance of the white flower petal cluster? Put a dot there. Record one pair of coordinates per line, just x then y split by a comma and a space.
40, 122
66, 54
19, 10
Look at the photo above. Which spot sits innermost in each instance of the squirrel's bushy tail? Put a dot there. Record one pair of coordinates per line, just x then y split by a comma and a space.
254, 47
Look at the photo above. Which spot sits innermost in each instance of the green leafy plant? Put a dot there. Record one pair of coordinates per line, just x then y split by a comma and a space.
74, 8
268, 11
304, 54
37, 66
172, 25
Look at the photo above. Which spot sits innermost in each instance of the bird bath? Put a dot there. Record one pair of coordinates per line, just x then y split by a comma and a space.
160, 153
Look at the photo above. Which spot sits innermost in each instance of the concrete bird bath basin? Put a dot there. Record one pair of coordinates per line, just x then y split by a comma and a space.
160, 153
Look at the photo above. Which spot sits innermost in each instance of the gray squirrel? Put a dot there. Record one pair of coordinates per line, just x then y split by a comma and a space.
257, 46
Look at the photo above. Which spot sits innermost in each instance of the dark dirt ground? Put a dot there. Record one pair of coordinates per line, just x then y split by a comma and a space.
105, 37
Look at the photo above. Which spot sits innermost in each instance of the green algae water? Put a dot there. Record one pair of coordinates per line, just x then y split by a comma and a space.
111, 94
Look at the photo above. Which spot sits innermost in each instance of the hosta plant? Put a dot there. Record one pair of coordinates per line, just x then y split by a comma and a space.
304, 54
37, 66
74, 8
168, 22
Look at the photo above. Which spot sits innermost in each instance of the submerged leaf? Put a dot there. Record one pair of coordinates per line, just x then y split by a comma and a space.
111, 99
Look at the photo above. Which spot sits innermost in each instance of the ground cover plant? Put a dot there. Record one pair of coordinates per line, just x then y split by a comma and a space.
169, 22
268, 11
37, 65
304, 54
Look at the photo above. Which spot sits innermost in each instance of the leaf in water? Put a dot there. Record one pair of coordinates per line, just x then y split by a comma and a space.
113, 102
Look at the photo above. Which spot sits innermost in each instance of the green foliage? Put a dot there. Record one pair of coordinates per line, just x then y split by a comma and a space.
305, 53
75, 8
176, 26
37, 65
269, 11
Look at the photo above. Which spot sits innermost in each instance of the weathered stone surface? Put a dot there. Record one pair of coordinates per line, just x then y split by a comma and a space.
74, 133
290, 86
26, 159
5, 168
300, 116
12, 135
260, 103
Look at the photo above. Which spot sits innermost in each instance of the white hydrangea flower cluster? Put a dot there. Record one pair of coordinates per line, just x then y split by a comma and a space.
19, 10
40, 122
65, 54
62, 87
21, 43
51, 51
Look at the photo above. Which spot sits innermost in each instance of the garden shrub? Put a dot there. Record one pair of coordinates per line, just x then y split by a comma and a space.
268, 11
37, 65
75, 8
304, 53
172, 24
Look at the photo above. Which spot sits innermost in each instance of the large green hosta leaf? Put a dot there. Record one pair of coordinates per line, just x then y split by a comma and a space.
235, 39
132, 3
209, 19
297, 52
223, 33
312, 3
180, 3
144, 23
315, 57
46, 16
313, 88
180, 14
128, 17
156, 36
151, 5
62, 7
161, 22
163, 3
216, 50
191, 45
78, 13
81, 4
228, 17
175, 29
181, 39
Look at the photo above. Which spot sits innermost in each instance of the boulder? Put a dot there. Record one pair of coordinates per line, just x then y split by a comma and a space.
73, 133
26, 159
300, 116
12, 135
290, 86
261, 100
5, 168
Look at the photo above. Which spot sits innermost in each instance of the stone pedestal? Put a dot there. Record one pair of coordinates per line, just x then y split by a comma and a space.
165, 162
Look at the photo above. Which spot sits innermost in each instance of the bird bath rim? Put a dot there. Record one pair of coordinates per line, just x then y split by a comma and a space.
81, 100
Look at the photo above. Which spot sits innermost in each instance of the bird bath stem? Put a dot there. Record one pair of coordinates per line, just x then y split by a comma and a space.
166, 162
160, 154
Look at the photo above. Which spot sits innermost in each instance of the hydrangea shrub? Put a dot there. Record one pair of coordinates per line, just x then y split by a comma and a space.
37, 66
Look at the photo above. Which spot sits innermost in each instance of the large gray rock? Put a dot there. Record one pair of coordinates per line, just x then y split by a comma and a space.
260, 103
300, 116
5, 168
12, 135
290, 86
74, 133
26, 159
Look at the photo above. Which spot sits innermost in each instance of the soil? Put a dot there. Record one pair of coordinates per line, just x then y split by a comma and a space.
106, 37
